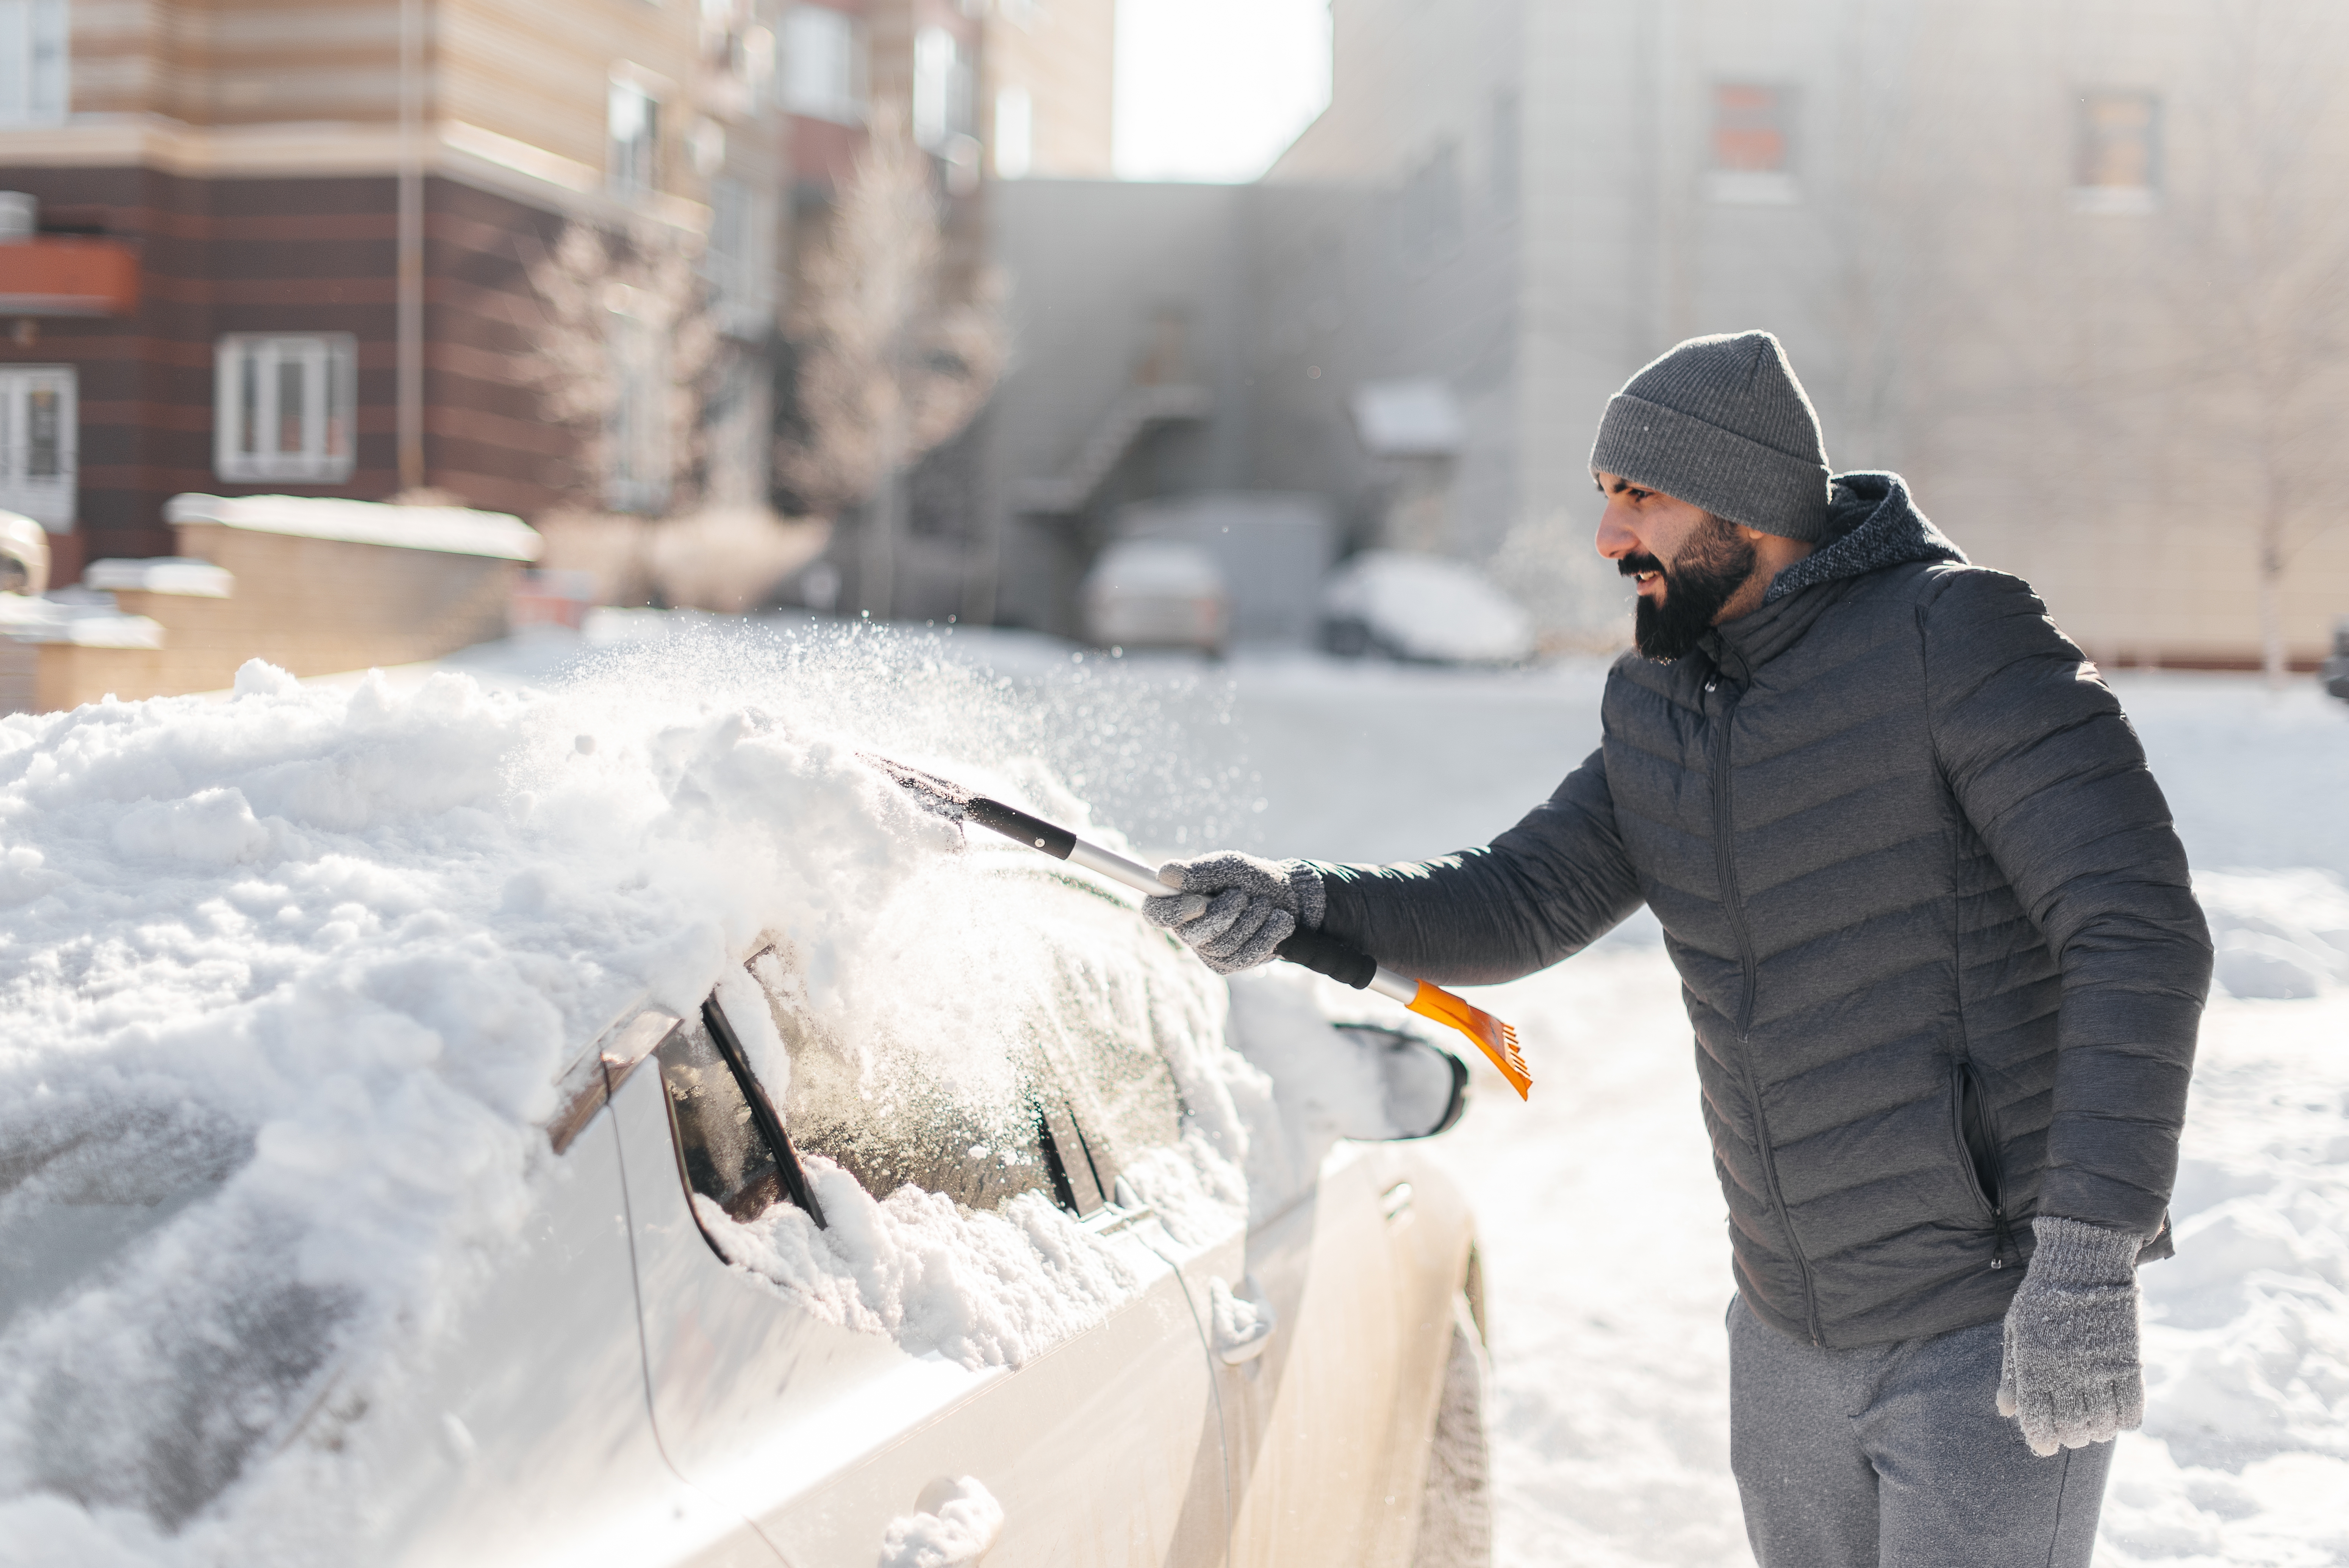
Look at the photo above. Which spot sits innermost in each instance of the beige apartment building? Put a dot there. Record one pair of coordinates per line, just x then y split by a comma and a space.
2079, 268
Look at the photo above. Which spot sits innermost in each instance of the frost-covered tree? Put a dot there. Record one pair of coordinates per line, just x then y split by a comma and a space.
620, 352
892, 359
2261, 277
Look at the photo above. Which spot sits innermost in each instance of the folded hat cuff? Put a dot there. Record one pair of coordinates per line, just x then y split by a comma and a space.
1729, 475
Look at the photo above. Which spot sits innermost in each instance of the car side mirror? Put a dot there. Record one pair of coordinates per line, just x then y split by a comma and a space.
1425, 1086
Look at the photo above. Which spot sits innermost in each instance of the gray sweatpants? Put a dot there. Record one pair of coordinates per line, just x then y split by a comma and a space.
1895, 1455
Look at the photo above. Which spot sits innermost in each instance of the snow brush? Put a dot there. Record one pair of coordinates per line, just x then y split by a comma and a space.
1321, 954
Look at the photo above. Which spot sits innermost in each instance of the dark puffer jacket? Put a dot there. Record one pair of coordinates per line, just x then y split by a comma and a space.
1932, 924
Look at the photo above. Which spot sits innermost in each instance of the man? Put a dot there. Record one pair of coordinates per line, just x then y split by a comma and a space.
1937, 941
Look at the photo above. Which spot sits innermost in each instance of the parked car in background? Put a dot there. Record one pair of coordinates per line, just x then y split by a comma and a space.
1424, 608
2335, 674
1156, 593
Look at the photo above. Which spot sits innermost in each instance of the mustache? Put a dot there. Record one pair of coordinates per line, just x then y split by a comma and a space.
1633, 564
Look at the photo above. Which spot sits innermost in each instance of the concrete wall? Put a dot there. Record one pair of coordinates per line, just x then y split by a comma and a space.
1111, 284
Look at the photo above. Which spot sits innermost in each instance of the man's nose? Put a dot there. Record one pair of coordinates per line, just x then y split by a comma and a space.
1615, 539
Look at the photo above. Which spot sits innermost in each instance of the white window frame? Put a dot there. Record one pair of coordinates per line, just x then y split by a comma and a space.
34, 79
942, 90
330, 403
1015, 132
47, 499
632, 115
636, 453
822, 74
738, 261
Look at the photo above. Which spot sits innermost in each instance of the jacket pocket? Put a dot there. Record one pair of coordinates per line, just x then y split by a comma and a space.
1977, 1137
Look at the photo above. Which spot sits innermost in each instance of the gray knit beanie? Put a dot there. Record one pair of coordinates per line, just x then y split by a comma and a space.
1722, 423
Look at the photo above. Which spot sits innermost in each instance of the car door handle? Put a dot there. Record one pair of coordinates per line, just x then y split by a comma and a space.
1395, 1201
1243, 1321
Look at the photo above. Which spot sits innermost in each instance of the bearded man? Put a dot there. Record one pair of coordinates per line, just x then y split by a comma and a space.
1937, 940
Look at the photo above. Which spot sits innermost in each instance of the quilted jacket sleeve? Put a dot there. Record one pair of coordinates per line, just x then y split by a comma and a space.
2052, 777
1544, 889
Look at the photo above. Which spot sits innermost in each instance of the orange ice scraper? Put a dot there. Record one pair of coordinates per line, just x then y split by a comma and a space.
1325, 954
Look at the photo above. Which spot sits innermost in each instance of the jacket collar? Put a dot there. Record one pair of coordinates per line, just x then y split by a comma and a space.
1871, 525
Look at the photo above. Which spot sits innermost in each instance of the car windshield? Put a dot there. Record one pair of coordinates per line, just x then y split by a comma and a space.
937, 1136
1089, 1091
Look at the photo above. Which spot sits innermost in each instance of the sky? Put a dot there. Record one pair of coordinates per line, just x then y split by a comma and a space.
1214, 89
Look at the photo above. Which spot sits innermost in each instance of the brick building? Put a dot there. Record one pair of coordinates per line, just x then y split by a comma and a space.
285, 245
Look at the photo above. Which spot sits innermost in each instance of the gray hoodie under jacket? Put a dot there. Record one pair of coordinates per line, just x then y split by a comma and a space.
1932, 924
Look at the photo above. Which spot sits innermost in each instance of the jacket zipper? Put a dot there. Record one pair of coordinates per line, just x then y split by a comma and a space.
1725, 863
1971, 1093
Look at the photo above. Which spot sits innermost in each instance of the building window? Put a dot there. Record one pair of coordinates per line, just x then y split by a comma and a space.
635, 435
823, 74
38, 428
1015, 133
632, 130
941, 90
283, 407
738, 261
2117, 153
1753, 143
32, 62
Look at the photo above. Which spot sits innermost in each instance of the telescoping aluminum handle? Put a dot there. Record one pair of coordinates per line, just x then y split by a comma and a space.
1322, 954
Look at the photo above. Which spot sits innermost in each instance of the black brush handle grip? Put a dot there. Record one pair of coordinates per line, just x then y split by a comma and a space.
1325, 954
1013, 823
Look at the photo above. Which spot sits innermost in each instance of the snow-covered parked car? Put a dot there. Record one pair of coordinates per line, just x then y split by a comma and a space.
1424, 608
442, 1132
1156, 594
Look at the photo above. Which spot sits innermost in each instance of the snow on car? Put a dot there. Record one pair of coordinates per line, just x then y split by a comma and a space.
1408, 605
615, 1124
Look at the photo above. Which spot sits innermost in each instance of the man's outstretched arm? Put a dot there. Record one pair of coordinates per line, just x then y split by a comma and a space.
1544, 889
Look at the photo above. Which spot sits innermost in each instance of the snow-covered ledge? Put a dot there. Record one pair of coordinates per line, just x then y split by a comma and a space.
455, 530
178, 574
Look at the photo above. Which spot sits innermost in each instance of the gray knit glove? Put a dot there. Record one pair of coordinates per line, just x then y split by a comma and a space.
1234, 909
2071, 1376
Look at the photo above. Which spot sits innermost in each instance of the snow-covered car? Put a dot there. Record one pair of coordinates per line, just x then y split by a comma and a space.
958, 1211
1424, 608
1156, 594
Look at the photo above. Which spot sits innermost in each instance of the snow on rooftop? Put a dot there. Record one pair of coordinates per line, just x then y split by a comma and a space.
458, 531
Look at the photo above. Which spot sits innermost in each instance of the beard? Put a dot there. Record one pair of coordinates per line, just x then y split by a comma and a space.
1711, 567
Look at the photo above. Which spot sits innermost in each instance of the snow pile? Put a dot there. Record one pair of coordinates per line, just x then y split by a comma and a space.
2245, 1454
2281, 935
990, 1289
291, 976
949, 1531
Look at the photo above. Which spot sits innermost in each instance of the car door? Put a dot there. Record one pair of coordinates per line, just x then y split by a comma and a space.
1327, 1425
518, 1433
1105, 1448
